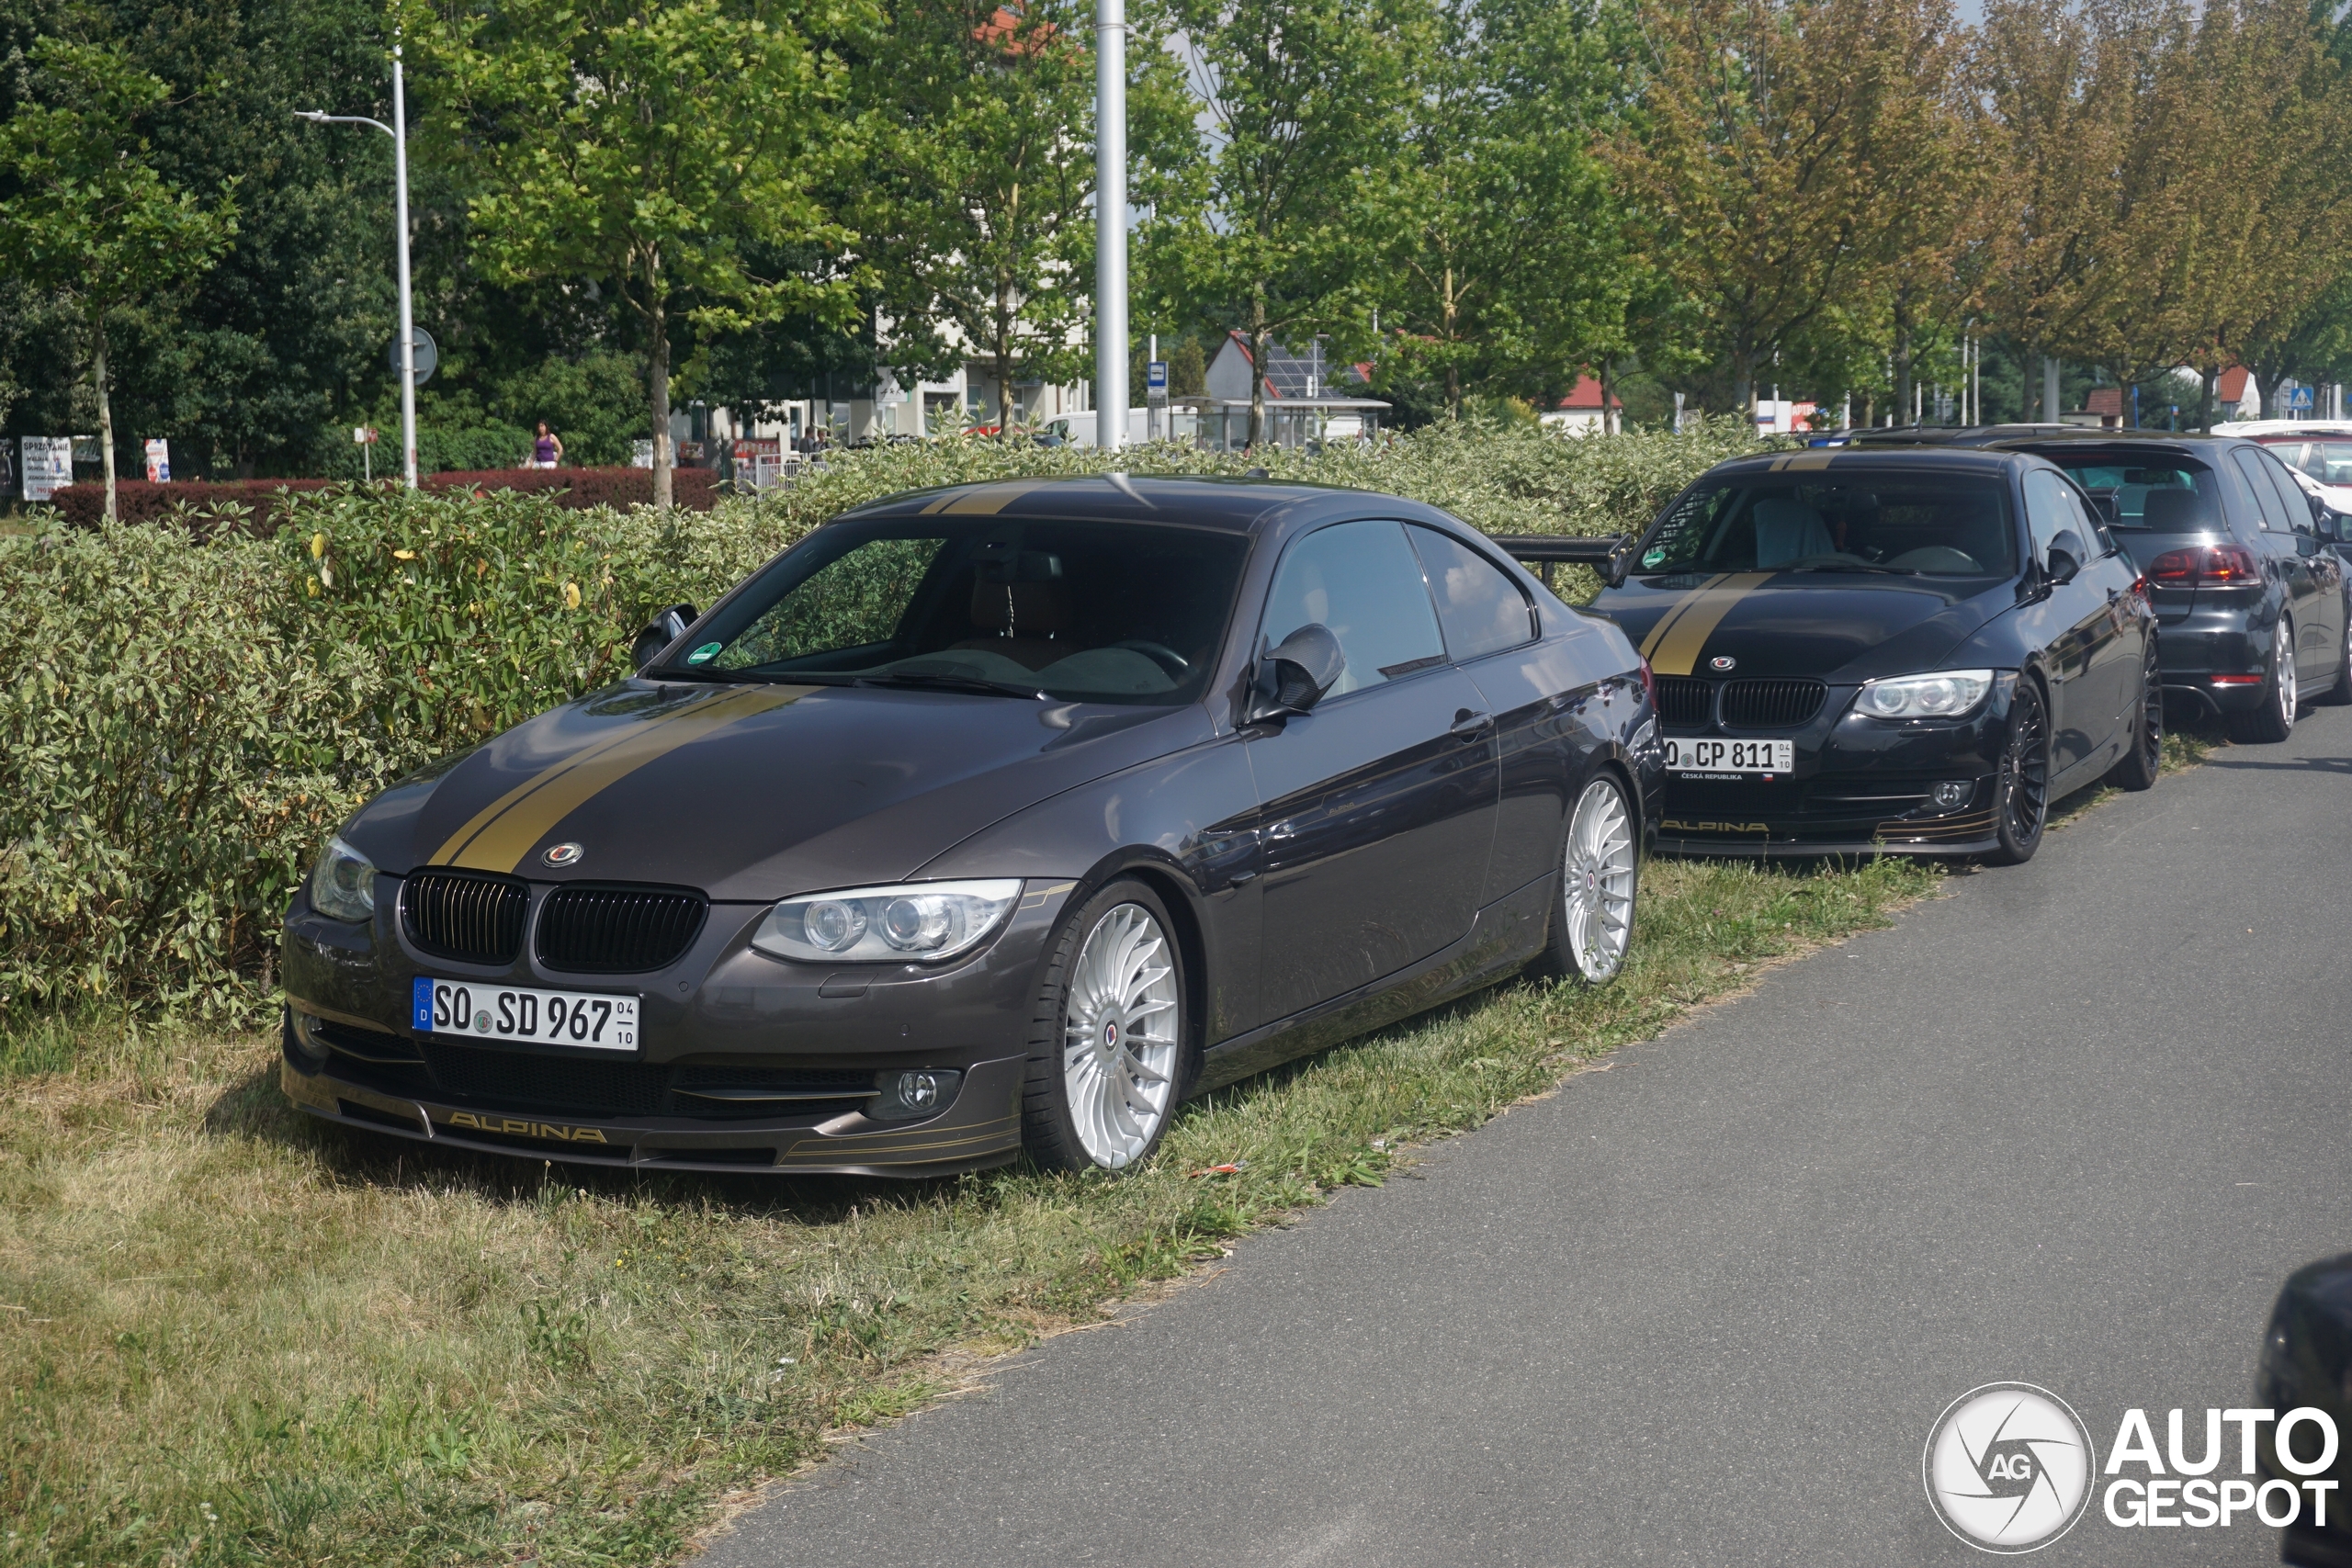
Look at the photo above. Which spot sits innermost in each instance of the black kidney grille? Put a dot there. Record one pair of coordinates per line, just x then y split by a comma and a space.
1682, 701
549, 1083
617, 930
1770, 704
477, 919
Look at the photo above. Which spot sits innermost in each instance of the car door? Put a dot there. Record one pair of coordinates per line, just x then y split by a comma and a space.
2074, 621
1378, 806
2119, 651
2281, 558
2317, 578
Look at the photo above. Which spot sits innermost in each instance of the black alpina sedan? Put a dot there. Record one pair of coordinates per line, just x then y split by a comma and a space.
1001, 816
1912, 649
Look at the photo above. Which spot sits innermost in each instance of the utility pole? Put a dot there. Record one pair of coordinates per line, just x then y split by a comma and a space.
398, 132
1109, 223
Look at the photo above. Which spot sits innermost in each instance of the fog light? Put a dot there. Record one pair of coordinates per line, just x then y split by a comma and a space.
906, 1096
1952, 793
304, 1041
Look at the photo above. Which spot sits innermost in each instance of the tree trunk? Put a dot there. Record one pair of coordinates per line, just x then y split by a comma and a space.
1452, 368
1743, 375
658, 379
1259, 336
1905, 393
2205, 401
1608, 421
106, 404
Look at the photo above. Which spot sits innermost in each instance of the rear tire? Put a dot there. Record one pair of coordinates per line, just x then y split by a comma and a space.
2274, 720
1110, 1049
2147, 758
2021, 791
1592, 919
2341, 692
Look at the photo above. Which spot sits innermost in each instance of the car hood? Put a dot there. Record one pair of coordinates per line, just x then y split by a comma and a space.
1841, 628
753, 792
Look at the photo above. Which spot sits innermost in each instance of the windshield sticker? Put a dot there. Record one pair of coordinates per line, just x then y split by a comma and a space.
704, 654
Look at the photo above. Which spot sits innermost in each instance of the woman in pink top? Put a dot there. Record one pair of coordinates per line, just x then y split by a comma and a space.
547, 451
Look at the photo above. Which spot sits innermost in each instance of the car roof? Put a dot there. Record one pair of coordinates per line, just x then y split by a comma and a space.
1875, 458
1233, 505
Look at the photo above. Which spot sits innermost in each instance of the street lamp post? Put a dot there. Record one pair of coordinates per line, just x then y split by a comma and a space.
1109, 223
398, 132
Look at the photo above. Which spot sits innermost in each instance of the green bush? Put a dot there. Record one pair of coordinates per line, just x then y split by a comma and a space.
182, 724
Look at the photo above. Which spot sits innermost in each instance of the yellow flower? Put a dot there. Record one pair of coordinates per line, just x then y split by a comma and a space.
572, 596
318, 546
403, 555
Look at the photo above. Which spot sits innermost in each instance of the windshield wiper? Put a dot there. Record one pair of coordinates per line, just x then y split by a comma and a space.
939, 680
1856, 566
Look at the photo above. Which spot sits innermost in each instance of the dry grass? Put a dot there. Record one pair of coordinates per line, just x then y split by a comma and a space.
231, 1336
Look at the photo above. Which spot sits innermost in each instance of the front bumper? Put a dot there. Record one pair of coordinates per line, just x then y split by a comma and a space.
745, 1062
1859, 786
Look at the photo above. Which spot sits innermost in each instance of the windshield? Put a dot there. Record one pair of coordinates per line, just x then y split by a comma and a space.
1089, 611
1904, 524
2329, 462
2186, 498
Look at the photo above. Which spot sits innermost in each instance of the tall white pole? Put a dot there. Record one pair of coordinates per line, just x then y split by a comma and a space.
1109, 223
408, 323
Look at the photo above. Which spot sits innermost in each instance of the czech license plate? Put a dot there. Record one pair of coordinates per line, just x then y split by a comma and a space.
1704, 756
600, 1022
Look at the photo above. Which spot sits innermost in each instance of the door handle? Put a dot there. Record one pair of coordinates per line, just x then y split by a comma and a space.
1469, 726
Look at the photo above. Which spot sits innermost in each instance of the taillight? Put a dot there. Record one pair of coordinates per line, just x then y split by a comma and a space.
2206, 566
1649, 685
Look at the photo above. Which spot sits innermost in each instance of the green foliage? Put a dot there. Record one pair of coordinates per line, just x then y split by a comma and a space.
182, 725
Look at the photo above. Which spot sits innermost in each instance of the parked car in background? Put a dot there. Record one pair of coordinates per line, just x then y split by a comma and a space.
996, 816
2307, 1364
1859, 649
2252, 602
2319, 448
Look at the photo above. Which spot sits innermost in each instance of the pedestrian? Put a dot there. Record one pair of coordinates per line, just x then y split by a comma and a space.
548, 450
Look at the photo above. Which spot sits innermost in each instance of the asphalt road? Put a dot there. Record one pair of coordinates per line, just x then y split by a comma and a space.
2070, 1124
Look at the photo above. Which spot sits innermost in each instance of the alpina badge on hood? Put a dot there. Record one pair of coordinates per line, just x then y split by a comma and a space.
1722, 662
563, 854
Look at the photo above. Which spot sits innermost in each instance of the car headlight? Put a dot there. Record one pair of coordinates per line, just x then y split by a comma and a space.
343, 885
923, 921
1947, 693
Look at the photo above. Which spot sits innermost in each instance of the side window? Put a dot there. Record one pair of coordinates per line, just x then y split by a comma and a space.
2050, 511
1481, 610
2276, 518
1362, 581
2290, 494
2093, 526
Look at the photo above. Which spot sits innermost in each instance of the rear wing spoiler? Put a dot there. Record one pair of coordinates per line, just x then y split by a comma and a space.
1543, 551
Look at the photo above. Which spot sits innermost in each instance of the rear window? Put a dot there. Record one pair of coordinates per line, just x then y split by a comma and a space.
1907, 523
2186, 497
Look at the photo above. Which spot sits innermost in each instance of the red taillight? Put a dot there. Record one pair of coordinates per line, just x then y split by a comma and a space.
1649, 685
2206, 566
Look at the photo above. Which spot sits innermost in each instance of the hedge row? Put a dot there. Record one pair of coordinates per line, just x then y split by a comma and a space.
182, 725
251, 506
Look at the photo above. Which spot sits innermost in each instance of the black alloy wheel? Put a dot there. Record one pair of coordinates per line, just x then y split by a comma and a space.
2022, 795
2340, 692
2273, 720
2145, 759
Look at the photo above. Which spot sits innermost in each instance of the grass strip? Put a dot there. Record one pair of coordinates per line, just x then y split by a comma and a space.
232, 1336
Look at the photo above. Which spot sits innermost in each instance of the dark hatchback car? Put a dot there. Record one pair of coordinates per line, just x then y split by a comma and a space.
2254, 613
2307, 1366
1912, 649
1002, 815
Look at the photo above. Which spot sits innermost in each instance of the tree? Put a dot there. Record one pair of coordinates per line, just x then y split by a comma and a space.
647, 145
1300, 99
1498, 261
89, 217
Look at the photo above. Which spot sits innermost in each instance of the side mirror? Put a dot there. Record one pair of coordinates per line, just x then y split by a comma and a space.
2066, 556
660, 633
1292, 677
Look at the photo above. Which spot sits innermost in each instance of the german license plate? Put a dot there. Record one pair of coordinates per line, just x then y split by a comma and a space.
1704, 756
598, 1022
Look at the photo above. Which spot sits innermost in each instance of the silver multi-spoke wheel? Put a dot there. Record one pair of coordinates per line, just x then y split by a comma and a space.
2283, 653
1598, 898
1120, 1036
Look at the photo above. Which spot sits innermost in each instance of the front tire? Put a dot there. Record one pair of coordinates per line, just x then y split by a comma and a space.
2275, 719
2022, 795
2147, 758
1108, 1056
1592, 920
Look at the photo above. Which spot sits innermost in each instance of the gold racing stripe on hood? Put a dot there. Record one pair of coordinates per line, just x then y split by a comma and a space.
988, 499
1678, 649
1674, 613
503, 832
